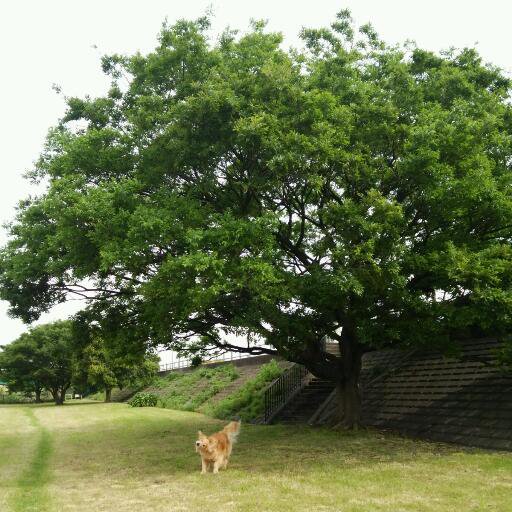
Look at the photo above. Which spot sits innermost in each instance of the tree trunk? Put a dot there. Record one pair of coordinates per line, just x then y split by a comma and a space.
63, 395
349, 403
38, 395
347, 388
108, 394
55, 395
59, 396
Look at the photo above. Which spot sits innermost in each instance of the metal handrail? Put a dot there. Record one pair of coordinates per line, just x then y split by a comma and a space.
278, 393
186, 363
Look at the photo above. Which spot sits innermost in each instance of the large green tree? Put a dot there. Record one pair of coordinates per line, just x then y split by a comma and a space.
350, 190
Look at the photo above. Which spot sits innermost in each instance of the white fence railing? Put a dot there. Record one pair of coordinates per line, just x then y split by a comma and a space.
186, 363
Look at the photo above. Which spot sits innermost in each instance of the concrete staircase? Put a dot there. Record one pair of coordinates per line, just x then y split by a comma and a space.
305, 403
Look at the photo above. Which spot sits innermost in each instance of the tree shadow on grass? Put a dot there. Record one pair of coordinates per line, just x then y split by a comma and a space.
154, 443
88, 402
46, 405
150, 444
34, 405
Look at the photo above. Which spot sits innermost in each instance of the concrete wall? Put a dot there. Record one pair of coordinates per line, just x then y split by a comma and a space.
466, 400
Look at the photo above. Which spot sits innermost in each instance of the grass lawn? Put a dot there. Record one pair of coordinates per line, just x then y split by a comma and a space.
110, 457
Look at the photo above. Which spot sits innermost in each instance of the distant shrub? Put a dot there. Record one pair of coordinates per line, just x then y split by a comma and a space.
248, 401
144, 400
14, 398
118, 395
99, 396
196, 361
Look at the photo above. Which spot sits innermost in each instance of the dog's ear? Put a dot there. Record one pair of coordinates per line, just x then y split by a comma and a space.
200, 435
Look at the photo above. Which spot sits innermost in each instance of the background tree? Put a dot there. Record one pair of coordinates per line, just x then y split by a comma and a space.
19, 364
40, 358
103, 369
56, 352
351, 190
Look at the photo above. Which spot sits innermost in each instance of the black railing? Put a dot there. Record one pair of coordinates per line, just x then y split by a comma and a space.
277, 394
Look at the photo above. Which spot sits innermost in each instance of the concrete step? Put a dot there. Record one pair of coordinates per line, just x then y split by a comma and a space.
304, 405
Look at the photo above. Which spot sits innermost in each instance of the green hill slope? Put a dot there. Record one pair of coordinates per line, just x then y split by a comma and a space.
221, 392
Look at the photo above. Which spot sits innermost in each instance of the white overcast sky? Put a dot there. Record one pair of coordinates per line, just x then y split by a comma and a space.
45, 42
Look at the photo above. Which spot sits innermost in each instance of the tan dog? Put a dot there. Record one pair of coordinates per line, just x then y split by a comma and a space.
216, 449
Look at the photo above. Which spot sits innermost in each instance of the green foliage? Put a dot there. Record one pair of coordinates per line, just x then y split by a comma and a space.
19, 364
248, 401
196, 361
188, 391
98, 395
40, 358
14, 398
237, 187
100, 367
117, 395
192, 391
144, 400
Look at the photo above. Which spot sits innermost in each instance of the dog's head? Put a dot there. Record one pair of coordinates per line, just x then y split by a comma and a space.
203, 443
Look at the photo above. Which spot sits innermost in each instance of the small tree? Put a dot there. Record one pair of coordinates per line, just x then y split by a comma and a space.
40, 358
57, 351
101, 370
106, 370
103, 365
19, 365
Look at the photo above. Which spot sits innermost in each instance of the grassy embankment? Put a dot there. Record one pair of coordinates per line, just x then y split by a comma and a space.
220, 392
105, 457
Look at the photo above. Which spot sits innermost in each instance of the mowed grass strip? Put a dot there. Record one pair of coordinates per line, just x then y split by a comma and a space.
112, 457
18, 442
31, 493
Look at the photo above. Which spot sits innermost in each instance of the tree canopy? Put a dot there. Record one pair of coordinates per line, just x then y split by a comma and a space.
19, 365
350, 189
98, 365
40, 358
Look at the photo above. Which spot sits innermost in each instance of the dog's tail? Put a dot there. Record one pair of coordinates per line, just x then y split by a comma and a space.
232, 429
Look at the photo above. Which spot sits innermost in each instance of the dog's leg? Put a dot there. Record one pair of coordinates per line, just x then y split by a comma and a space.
204, 466
225, 463
216, 466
